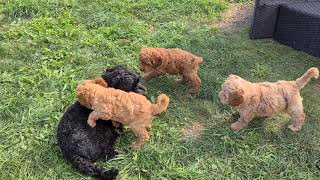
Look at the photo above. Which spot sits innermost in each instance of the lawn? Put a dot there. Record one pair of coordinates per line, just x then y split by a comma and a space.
48, 46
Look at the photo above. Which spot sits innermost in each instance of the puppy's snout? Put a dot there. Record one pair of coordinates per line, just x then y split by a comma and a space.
140, 86
143, 81
141, 67
141, 89
221, 97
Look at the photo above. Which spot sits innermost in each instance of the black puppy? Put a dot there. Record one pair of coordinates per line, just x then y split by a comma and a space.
83, 145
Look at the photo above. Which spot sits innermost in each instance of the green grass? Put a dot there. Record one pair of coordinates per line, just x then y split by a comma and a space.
48, 46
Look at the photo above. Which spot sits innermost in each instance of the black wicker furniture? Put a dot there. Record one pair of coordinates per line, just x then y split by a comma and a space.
295, 23
298, 26
265, 17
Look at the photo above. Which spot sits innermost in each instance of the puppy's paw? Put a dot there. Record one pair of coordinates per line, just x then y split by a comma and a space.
294, 128
194, 91
92, 123
180, 80
237, 126
135, 146
116, 124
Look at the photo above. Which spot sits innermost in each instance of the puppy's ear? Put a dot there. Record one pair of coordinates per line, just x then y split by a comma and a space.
101, 82
150, 58
236, 98
156, 61
153, 61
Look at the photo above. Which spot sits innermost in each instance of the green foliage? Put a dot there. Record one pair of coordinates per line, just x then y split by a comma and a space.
48, 46
35, 8
261, 70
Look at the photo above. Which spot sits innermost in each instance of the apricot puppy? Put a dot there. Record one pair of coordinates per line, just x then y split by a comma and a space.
128, 108
266, 99
156, 62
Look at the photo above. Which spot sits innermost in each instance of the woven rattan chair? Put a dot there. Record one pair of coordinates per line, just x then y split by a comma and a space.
265, 17
298, 26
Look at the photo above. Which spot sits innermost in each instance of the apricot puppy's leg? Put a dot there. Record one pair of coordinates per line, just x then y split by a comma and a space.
181, 80
242, 122
296, 113
142, 136
94, 116
195, 82
297, 121
152, 74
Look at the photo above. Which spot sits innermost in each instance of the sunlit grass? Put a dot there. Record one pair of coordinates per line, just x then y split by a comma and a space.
47, 46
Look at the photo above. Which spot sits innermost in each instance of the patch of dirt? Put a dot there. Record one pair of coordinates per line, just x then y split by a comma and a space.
194, 131
5, 27
238, 15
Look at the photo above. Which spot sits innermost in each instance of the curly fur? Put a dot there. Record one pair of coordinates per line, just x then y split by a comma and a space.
266, 99
120, 77
82, 145
128, 108
159, 61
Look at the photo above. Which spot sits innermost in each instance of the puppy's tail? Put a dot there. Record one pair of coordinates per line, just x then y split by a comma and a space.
98, 80
88, 168
161, 105
304, 79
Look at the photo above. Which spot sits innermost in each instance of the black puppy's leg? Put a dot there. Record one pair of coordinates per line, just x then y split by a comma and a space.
111, 154
88, 168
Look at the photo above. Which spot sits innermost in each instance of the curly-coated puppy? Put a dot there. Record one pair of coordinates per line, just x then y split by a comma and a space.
121, 78
131, 109
159, 61
265, 99
82, 145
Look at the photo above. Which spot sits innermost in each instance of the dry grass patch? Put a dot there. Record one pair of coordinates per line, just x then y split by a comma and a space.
194, 131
